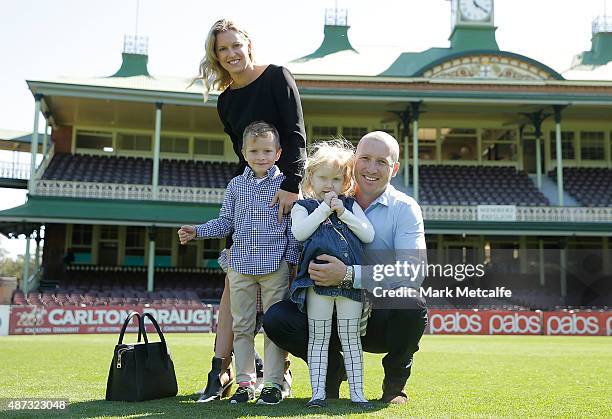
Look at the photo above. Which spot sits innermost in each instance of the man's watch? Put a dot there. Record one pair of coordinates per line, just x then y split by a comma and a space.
347, 281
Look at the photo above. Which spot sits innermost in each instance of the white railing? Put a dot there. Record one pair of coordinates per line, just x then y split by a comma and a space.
71, 189
215, 196
535, 214
14, 170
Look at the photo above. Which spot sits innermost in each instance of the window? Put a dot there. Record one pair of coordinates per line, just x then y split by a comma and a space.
187, 255
134, 246
354, 134
208, 146
458, 144
427, 144
567, 145
324, 133
109, 245
592, 145
211, 248
499, 145
94, 140
81, 243
163, 246
137, 142
81, 235
174, 144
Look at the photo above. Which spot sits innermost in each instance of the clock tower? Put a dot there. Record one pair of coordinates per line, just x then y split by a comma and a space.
472, 25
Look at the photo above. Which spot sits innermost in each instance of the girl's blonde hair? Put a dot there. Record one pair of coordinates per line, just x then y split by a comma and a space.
337, 152
212, 74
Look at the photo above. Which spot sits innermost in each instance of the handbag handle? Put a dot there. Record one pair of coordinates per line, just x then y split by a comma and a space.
164, 354
155, 324
127, 322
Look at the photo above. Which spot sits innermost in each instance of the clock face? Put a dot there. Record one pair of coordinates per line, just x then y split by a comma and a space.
476, 10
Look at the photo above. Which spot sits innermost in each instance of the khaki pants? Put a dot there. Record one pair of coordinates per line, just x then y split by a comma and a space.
243, 297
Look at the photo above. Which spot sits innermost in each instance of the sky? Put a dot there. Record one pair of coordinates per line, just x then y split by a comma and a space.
45, 39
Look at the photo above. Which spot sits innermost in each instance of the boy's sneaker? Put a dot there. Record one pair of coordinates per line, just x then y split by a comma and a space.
270, 394
243, 395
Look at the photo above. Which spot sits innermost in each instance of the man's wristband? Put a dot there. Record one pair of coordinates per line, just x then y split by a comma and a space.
347, 281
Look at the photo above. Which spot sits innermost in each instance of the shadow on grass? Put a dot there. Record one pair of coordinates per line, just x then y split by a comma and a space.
186, 406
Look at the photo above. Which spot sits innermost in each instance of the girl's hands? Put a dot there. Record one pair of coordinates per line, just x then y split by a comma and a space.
328, 197
337, 205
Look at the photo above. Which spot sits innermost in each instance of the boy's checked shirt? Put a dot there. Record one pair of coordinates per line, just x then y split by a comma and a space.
260, 241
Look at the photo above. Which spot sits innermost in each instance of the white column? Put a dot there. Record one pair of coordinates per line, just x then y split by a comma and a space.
559, 156
37, 252
26, 267
151, 264
45, 136
34, 142
158, 108
415, 149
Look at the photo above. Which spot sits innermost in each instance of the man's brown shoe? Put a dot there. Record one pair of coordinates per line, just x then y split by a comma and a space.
397, 398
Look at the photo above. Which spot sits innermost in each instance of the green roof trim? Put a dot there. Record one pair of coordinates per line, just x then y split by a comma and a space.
44, 209
133, 65
335, 39
410, 64
601, 50
508, 54
475, 37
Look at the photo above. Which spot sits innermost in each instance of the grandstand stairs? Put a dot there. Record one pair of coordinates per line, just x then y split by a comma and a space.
549, 189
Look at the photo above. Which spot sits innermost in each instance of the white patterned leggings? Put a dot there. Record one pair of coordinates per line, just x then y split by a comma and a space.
320, 312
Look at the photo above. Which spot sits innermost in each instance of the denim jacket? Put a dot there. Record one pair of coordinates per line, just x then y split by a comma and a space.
334, 238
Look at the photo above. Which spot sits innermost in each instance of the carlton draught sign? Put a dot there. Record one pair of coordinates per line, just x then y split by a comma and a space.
31, 320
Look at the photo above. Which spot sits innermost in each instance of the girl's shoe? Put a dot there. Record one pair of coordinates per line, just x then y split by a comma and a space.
363, 405
315, 403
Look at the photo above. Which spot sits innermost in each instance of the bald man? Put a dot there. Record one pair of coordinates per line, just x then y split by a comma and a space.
398, 224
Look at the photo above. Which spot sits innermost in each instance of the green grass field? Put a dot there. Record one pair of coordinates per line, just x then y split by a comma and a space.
468, 376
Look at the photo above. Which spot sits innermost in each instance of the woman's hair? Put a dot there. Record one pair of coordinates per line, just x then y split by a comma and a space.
212, 74
337, 152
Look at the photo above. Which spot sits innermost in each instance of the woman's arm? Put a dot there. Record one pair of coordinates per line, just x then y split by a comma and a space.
358, 223
292, 133
303, 224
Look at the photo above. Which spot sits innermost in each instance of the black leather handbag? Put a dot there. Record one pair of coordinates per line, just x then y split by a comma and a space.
143, 370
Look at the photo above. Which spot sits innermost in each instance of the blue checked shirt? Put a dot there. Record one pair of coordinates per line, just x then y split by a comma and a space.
260, 241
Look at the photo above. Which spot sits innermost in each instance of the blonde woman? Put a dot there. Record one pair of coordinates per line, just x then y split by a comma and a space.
249, 92
330, 222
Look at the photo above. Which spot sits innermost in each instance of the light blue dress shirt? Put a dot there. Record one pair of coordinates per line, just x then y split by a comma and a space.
398, 225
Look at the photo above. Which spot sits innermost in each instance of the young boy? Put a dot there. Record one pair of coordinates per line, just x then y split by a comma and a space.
261, 252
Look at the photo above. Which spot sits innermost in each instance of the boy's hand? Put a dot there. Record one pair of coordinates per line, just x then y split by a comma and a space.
328, 197
338, 206
285, 202
186, 233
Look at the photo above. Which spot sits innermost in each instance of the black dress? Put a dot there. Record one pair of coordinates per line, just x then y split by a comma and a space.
274, 98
